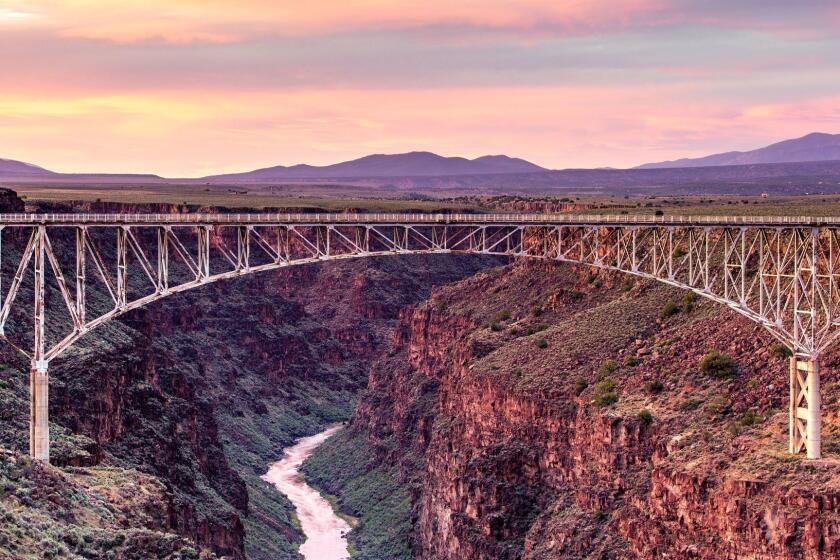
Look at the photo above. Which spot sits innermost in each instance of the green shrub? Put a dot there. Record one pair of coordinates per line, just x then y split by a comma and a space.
679, 253
659, 213
645, 416
626, 286
690, 404
718, 365
542, 343
717, 405
752, 383
654, 387
503, 315
537, 310
533, 330
606, 384
670, 308
733, 428
781, 351
749, 418
603, 400
631, 361
580, 385
605, 393
607, 368
689, 299
495, 326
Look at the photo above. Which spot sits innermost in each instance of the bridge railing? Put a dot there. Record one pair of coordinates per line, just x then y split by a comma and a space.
400, 218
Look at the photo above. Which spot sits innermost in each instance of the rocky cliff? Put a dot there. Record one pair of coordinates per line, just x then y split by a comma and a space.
542, 412
212, 385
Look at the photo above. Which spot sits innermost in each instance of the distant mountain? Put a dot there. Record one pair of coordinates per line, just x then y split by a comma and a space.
816, 146
12, 168
19, 171
412, 164
437, 176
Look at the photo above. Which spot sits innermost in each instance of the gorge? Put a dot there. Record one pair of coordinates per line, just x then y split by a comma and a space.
505, 410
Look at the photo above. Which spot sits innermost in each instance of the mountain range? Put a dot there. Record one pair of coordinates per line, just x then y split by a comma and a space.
13, 168
816, 146
807, 164
411, 164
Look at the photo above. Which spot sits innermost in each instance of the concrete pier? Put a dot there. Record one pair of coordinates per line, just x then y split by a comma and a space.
805, 420
39, 427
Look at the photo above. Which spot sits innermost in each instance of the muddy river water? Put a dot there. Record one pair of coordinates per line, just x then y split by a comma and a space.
325, 531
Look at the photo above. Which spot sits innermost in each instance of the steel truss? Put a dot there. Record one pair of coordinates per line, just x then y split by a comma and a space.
781, 275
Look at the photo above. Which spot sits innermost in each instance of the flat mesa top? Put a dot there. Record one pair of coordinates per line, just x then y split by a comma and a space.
406, 219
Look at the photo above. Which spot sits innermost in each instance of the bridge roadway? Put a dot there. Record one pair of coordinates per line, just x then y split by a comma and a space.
781, 272
415, 218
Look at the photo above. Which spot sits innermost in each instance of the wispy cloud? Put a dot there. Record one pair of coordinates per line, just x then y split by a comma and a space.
232, 20
235, 20
10, 16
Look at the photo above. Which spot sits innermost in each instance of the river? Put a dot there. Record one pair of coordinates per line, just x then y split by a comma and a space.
324, 530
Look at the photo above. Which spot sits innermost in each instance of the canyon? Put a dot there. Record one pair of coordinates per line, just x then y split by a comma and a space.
496, 410
199, 394
490, 423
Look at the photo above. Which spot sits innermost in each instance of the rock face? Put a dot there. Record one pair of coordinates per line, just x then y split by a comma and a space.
510, 449
10, 202
142, 410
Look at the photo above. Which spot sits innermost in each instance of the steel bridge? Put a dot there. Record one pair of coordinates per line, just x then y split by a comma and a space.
781, 272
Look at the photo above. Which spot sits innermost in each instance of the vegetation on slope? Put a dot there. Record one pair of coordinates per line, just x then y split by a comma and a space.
77, 512
370, 492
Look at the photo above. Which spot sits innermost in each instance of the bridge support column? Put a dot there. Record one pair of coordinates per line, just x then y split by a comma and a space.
39, 427
805, 421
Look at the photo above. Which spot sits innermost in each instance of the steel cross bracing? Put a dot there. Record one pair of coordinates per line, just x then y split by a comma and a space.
780, 272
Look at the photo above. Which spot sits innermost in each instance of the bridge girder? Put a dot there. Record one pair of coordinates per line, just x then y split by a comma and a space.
782, 275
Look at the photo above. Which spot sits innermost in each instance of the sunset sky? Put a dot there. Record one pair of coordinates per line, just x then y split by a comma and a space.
193, 87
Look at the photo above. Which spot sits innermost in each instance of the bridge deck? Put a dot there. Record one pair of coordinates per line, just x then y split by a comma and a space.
782, 272
382, 218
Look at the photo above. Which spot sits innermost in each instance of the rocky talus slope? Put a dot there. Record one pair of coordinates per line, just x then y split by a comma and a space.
541, 411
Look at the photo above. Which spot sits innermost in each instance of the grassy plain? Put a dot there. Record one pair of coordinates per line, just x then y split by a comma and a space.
329, 198
802, 205
337, 198
333, 198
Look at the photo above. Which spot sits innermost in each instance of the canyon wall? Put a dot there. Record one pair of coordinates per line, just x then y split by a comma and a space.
212, 385
542, 411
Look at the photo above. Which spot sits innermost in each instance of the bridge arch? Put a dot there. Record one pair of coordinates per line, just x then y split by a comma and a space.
779, 272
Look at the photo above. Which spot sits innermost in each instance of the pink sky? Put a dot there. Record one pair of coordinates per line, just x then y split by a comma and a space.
186, 88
